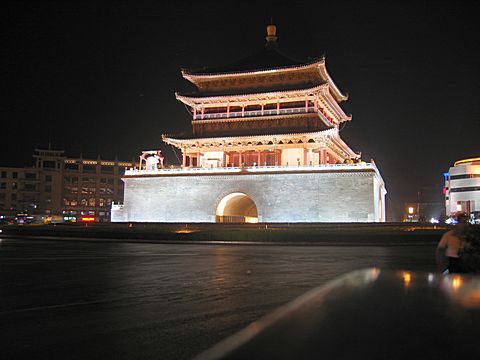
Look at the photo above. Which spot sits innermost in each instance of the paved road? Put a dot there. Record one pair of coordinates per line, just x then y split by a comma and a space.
96, 300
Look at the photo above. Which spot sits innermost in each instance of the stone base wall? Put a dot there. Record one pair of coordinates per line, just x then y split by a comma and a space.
349, 196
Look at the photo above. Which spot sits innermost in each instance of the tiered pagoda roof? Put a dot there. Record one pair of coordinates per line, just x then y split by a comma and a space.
264, 94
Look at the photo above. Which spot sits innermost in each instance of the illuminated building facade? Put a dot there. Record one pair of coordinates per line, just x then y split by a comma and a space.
64, 186
462, 188
265, 146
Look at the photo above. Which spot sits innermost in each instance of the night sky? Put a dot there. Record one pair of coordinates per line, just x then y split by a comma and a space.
99, 78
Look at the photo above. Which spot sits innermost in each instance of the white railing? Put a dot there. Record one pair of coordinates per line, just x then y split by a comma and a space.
250, 169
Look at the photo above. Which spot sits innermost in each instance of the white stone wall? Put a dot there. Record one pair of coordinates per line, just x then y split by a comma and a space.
291, 197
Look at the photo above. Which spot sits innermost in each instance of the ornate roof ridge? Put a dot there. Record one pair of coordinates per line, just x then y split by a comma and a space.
331, 131
187, 73
314, 88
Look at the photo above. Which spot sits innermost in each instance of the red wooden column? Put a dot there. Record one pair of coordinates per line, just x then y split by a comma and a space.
239, 158
305, 156
259, 158
184, 158
279, 157
198, 158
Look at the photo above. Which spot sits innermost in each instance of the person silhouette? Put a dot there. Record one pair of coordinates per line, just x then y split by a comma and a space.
451, 245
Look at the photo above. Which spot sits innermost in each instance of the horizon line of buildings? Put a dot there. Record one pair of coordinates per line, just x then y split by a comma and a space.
73, 187
59, 185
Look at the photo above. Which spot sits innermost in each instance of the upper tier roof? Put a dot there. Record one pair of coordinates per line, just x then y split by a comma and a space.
265, 70
269, 58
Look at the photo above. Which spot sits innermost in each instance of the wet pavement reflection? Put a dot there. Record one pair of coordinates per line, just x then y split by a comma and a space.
81, 299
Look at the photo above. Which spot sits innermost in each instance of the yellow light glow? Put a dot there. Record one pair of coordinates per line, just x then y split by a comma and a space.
183, 231
466, 161
407, 278
459, 207
456, 282
471, 299
251, 220
410, 210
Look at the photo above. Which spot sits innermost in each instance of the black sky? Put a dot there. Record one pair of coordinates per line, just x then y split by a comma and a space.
99, 78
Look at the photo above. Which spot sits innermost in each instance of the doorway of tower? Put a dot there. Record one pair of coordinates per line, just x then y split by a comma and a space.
236, 208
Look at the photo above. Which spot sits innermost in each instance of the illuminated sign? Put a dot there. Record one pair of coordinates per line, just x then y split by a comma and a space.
88, 219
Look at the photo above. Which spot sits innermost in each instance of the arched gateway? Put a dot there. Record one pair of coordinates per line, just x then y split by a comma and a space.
237, 207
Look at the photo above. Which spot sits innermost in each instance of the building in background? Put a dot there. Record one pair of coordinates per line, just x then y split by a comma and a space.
57, 185
265, 147
429, 206
462, 188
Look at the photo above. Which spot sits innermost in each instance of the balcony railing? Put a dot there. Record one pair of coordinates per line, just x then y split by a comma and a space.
250, 169
239, 114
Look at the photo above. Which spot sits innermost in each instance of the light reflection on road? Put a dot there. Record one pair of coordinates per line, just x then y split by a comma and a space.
170, 301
